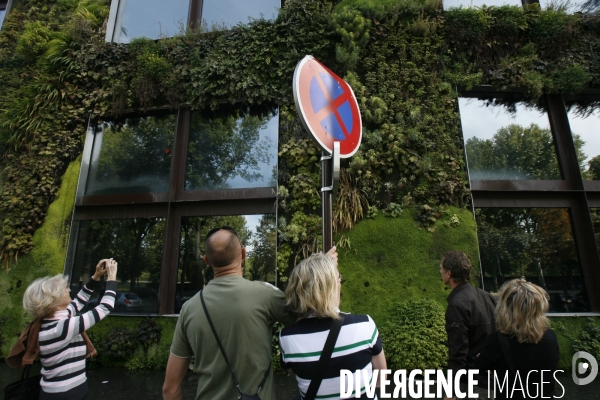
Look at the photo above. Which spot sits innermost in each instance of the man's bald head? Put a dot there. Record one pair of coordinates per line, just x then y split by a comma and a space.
222, 248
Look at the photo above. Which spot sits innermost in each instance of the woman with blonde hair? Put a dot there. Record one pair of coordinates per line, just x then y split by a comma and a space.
62, 348
313, 295
524, 345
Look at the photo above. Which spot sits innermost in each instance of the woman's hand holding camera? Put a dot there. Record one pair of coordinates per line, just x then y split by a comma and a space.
106, 266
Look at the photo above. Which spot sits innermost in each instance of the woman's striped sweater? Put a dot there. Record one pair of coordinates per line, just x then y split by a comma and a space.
62, 349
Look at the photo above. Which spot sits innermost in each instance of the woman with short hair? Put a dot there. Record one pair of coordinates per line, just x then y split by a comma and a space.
62, 349
313, 294
522, 325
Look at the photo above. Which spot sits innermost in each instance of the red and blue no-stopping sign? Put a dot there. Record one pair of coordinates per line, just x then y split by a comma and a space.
327, 107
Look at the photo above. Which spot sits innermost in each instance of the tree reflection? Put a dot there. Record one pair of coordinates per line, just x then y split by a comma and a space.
137, 246
514, 152
223, 148
135, 156
193, 273
536, 243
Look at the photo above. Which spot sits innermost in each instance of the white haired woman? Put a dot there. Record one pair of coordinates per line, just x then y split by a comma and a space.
313, 294
530, 346
62, 348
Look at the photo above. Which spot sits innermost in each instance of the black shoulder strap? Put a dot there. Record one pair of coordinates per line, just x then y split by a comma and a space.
313, 388
507, 353
235, 381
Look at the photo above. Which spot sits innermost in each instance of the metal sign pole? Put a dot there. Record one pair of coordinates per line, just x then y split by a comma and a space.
326, 203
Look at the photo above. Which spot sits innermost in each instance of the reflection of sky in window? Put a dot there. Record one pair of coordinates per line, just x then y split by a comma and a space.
252, 222
571, 6
151, 18
268, 134
588, 131
483, 122
478, 3
232, 12
2, 12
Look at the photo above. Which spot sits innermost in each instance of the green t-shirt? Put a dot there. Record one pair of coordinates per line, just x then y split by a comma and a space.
243, 313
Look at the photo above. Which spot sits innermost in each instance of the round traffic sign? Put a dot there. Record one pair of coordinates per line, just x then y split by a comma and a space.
327, 107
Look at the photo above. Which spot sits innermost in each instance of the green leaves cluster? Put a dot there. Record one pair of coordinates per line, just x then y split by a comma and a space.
414, 337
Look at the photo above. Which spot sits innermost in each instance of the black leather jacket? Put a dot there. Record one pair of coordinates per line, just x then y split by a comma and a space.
469, 321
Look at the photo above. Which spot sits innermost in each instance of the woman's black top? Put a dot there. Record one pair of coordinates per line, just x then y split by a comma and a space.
536, 365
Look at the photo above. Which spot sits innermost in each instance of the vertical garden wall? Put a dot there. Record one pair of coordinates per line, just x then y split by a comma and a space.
404, 197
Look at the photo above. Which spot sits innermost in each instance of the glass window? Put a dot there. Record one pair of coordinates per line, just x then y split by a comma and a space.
227, 13
2, 12
229, 152
595, 213
584, 126
153, 19
131, 157
479, 3
536, 243
258, 234
507, 144
569, 6
136, 244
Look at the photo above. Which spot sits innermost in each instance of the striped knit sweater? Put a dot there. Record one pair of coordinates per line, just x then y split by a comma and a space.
302, 343
62, 349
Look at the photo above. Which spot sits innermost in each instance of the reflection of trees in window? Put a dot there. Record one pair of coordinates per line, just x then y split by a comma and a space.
262, 258
595, 213
536, 243
514, 152
136, 244
223, 148
135, 156
193, 272
593, 171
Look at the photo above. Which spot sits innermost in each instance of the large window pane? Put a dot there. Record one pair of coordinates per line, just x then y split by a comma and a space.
153, 19
536, 243
584, 126
2, 12
258, 234
227, 13
507, 144
132, 157
232, 152
136, 244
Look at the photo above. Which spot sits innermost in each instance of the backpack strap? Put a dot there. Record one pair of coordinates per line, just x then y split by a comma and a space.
235, 381
334, 332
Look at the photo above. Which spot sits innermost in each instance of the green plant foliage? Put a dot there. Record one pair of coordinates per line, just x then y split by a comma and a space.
414, 337
46, 258
391, 262
575, 334
119, 343
148, 333
135, 354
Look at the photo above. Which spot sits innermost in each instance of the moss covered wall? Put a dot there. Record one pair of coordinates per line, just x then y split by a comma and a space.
46, 258
388, 261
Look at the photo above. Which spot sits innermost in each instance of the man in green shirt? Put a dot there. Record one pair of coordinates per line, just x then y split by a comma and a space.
243, 313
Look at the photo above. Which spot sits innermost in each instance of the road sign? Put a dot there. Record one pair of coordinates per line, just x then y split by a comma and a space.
327, 107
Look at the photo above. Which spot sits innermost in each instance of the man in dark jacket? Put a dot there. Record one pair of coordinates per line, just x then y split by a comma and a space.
469, 317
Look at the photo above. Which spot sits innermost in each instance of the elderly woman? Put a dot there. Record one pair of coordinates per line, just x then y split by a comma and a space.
313, 294
62, 348
530, 345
